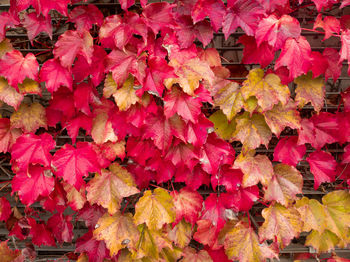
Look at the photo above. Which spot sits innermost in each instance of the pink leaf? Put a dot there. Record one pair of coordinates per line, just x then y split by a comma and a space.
54, 75
44, 6
214, 9
37, 24
158, 16
85, 17
288, 151
330, 25
8, 135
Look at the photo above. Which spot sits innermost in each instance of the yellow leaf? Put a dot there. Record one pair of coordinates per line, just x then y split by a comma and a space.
109, 188
181, 234
155, 209
102, 130
222, 127
310, 90
190, 73
312, 213
282, 116
29, 117
191, 255
252, 131
229, 98
110, 86
284, 185
126, 96
9, 255
170, 255
5, 46
29, 86
117, 231
322, 242
267, 89
83, 258
242, 243
9, 95
281, 222
255, 168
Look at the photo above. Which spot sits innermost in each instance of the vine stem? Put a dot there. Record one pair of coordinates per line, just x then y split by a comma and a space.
248, 216
5, 185
126, 205
159, 187
316, 31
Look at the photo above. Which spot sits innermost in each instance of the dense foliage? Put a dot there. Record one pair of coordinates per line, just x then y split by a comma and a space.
162, 115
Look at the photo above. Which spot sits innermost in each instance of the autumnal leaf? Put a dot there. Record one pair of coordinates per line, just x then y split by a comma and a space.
109, 188
252, 131
90, 214
329, 24
181, 234
187, 205
5, 209
255, 168
117, 231
280, 117
322, 166
40, 234
29, 86
95, 250
266, 88
70, 44
61, 227
276, 31
197, 134
334, 67
36, 24
215, 10
54, 75
102, 128
85, 17
223, 128
229, 177
5, 46
322, 242
9, 255
242, 243
29, 117
44, 6
281, 223
191, 255
9, 95
32, 183
288, 151
76, 199
295, 55
243, 198
312, 213
245, 14
207, 232
286, 183
74, 163
158, 16
8, 135
16, 68
310, 90
155, 209
126, 96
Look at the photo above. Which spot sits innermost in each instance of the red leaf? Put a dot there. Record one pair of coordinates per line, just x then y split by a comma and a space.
85, 17
253, 54
334, 67
56, 200
16, 68
164, 170
193, 178
243, 13
322, 166
134, 146
158, 16
74, 124
324, 4
188, 205
346, 155
36, 24
91, 214
326, 128
74, 163
197, 134
229, 177
330, 25
32, 149
63, 102
54, 75
295, 55
214, 9
31, 184
8, 135
276, 31
243, 199
125, 4
345, 50
288, 151
61, 227
73, 43
83, 95
44, 6
319, 64
40, 234
96, 250
7, 19
215, 152
217, 255
5, 209
182, 154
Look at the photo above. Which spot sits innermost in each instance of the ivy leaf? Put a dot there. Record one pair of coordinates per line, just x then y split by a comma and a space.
322, 242
76, 199
281, 223
322, 166
158, 16
9, 95
29, 117
44, 6
9, 255
8, 135
223, 128
90, 214
266, 88
329, 24
181, 234
95, 250
155, 209
215, 10
288, 151
117, 231
70, 44
187, 205
31, 149
334, 67
16, 68
191, 255
255, 168
126, 96
242, 243
41, 235
243, 198
310, 90
245, 14
276, 31
295, 55
109, 188
61, 227
85, 17
54, 75
286, 183
282, 116
5, 209
36, 24
74, 163
252, 53
32, 183
345, 50
312, 213
197, 134
252, 131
